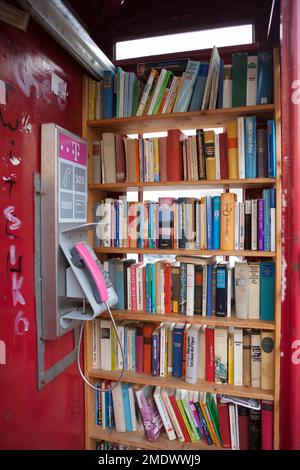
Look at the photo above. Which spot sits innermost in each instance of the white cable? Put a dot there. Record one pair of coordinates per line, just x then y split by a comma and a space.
122, 352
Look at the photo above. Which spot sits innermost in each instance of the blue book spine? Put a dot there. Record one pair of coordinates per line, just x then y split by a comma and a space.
267, 219
187, 86
96, 404
177, 351
271, 149
117, 212
273, 198
133, 350
267, 286
250, 147
108, 94
155, 354
221, 291
204, 424
209, 222
209, 291
197, 96
126, 93
153, 280
111, 411
264, 78
106, 411
126, 404
220, 86
216, 222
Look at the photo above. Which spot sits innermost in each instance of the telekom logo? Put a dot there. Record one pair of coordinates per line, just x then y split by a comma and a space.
76, 150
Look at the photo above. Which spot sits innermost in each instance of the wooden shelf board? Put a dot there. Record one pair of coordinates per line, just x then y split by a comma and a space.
250, 253
138, 315
173, 185
187, 120
137, 439
172, 382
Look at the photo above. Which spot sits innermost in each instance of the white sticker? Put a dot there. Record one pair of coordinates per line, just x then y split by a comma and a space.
58, 86
2, 92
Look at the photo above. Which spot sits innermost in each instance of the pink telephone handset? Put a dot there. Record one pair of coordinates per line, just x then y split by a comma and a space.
84, 257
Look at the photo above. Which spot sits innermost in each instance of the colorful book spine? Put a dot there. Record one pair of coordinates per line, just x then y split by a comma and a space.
260, 224
250, 147
267, 220
267, 290
265, 78
216, 222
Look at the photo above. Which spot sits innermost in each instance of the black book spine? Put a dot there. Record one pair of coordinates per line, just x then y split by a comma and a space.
198, 292
247, 225
221, 291
255, 429
262, 153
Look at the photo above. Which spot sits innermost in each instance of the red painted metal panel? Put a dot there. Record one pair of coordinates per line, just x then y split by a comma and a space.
290, 91
54, 417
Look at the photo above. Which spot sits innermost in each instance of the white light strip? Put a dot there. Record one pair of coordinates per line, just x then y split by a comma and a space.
66, 29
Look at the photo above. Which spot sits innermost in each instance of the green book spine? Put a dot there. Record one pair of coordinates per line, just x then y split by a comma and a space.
239, 79
161, 92
190, 419
186, 421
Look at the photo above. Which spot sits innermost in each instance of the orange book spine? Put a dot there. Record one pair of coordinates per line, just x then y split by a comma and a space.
232, 146
148, 330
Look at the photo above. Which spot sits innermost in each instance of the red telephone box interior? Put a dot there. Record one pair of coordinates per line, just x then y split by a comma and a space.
53, 418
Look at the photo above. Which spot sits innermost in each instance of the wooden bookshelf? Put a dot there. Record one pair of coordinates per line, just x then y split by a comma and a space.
173, 185
192, 120
144, 251
147, 317
172, 382
138, 440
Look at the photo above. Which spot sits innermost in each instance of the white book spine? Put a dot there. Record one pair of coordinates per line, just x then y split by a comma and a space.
105, 341
129, 348
132, 409
162, 352
217, 156
273, 228
172, 415
227, 87
157, 90
146, 92
96, 163
129, 288
242, 226
237, 226
164, 414
192, 355
254, 291
238, 357
251, 80
171, 90
241, 147
139, 288
232, 424
96, 344
221, 336
107, 221
190, 287
204, 292
229, 291
117, 396
120, 329
254, 224
241, 289
255, 358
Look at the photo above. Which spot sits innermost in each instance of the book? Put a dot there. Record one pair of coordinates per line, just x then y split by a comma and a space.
267, 424
239, 78
264, 78
199, 87
227, 86
187, 85
251, 80
108, 94
221, 361
227, 221
232, 142
164, 414
267, 293
178, 337
267, 360
192, 354
255, 358
211, 85
241, 287
150, 415
238, 356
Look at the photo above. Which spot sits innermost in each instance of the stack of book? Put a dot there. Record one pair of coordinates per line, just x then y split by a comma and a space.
184, 85
231, 356
187, 416
244, 150
209, 223
195, 286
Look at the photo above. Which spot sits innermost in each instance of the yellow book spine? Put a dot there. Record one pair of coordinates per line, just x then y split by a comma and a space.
230, 357
186, 421
233, 158
209, 423
166, 352
114, 345
210, 164
156, 159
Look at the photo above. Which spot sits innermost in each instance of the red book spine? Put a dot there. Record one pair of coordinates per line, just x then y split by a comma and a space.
244, 427
144, 289
120, 159
132, 235
168, 287
140, 350
179, 419
174, 155
223, 156
223, 413
210, 355
148, 330
267, 423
